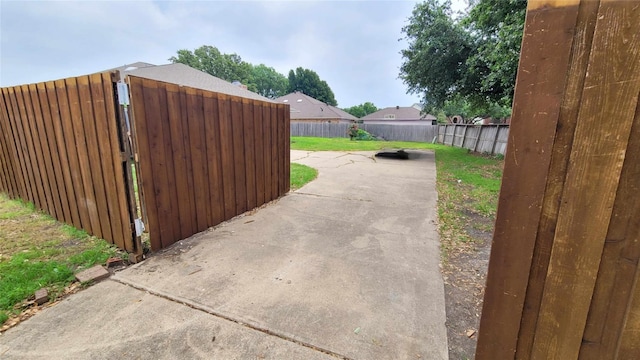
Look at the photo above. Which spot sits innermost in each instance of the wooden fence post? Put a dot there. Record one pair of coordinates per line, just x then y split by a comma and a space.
562, 281
475, 146
495, 140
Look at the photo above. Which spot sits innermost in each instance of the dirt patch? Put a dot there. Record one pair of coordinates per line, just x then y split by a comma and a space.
464, 275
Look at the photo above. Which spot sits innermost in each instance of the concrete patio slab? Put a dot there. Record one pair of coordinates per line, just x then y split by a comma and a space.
345, 267
115, 321
348, 263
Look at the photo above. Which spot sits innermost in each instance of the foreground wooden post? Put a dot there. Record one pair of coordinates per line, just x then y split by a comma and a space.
563, 273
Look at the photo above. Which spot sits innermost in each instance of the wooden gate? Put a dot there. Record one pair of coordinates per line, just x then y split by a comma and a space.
61, 147
564, 267
205, 157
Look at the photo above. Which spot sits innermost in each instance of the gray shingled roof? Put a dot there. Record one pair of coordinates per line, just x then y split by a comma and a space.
187, 76
400, 113
306, 107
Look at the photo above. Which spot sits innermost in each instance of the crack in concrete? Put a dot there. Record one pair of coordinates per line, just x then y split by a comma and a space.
210, 311
304, 157
330, 197
354, 154
349, 163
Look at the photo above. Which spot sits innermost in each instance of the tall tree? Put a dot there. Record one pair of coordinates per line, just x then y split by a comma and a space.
435, 62
269, 82
308, 82
474, 57
362, 109
209, 59
497, 26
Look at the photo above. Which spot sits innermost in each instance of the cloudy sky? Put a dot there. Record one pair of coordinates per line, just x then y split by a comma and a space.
353, 45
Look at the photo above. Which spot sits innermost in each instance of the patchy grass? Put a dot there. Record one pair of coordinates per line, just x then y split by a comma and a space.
468, 187
301, 174
36, 251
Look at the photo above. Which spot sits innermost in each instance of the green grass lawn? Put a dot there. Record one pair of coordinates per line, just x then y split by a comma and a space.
468, 184
301, 174
344, 144
36, 251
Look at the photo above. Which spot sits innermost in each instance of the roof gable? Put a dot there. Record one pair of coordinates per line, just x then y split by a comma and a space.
398, 113
184, 75
305, 107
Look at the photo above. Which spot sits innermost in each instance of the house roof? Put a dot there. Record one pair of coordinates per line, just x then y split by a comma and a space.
187, 76
399, 113
305, 107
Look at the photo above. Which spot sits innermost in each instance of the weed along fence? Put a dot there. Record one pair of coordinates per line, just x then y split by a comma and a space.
205, 157
423, 133
489, 139
61, 149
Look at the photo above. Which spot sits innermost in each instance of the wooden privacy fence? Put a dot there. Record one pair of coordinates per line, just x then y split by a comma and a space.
61, 149
205, 157
422, 133
489, 139
564, 267
324, 130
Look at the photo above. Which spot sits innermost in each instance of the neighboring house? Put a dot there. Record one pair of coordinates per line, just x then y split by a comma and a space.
184, 75
399, 115
304, 108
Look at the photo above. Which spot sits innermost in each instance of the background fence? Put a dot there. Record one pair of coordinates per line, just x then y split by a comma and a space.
424, 133
490, 139
61, 149
205, 157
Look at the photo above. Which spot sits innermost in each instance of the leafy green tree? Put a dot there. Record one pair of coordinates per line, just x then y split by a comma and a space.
474, 58
308, 82
435, 62
362, 109
262, 79
269, 82
497, 26
457, 106
229, 67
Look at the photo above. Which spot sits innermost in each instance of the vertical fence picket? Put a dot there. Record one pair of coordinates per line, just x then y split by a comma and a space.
40, 141
259, 156
56, 144
178, 133
59, 191
226, 140
212, 130
28, 158
266, 152
249, 152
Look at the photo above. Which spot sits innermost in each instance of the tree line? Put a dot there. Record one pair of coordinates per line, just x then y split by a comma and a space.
260, 79
464, 64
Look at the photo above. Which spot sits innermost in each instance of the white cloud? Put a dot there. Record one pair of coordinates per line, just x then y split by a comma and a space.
352, 45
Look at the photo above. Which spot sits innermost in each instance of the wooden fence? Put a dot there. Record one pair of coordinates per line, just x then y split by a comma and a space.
61, 149
489, 139
205, 157
422, 133
324, 130
564, 267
